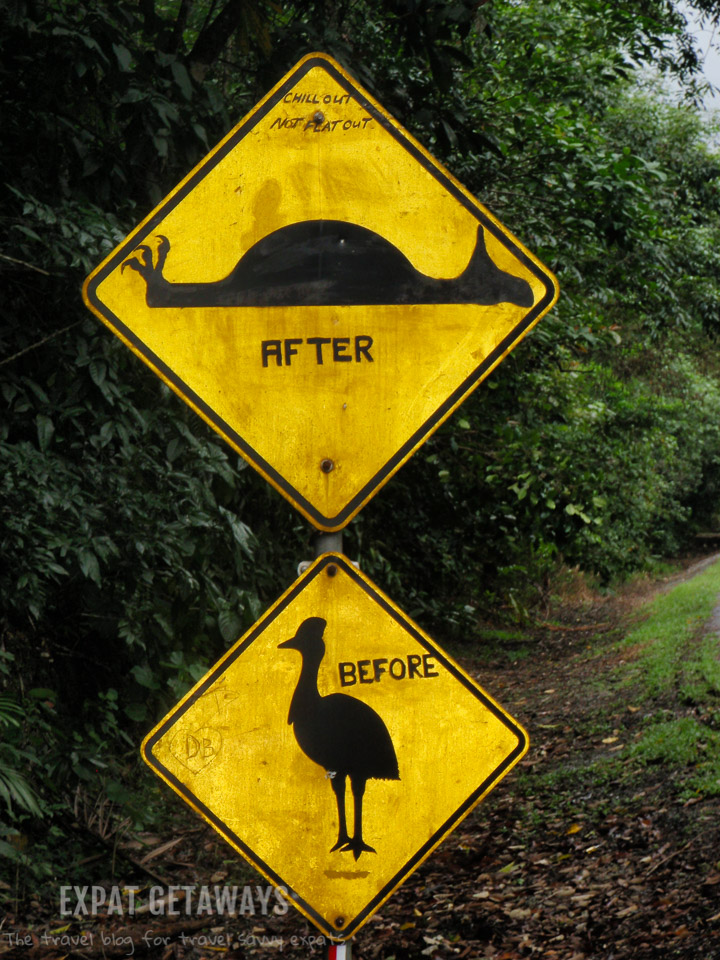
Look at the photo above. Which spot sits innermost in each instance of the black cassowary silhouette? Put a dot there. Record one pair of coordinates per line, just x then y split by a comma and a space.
343, 735
329, 263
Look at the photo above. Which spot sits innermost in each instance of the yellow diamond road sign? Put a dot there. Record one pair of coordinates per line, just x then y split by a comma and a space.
321, 291
335, 746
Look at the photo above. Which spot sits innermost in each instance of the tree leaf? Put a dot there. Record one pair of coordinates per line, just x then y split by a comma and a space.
89, 565
45, 430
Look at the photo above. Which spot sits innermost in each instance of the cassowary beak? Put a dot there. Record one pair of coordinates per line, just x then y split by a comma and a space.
288, 644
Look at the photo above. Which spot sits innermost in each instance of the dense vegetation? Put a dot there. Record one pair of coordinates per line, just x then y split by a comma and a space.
135, 546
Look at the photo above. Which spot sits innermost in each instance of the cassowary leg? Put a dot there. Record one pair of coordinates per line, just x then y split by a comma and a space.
357, 844
338, 785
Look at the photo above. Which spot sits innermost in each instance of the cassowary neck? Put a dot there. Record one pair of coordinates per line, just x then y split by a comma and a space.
306, 694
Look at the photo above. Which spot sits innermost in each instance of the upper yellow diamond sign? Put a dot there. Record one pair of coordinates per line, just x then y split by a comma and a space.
321, 291
335, 746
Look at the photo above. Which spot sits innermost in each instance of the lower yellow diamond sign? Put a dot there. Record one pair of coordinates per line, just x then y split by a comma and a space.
335, 746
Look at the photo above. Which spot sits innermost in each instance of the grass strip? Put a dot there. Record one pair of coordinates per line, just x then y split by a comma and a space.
674, 660
673, 621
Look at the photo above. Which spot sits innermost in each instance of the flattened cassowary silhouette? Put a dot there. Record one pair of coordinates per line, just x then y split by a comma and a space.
329, 263
343, 735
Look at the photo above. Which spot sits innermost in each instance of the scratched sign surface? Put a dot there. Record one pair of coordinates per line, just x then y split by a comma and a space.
335, 746
321, 291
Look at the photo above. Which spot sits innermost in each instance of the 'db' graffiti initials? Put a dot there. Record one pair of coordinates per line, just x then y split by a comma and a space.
198, 749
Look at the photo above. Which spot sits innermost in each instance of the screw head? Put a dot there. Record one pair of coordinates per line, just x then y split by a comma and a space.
332, 570
319, 117
327, 465
340, 921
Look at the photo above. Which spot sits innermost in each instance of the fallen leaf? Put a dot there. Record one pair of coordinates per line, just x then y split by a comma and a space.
163, 848
519, 913
627, 912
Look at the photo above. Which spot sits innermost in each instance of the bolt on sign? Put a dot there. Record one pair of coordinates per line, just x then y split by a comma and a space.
321, 291
335, 746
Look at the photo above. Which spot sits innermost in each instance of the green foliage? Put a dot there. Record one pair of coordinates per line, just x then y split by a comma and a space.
15, 790
604, 468
98, 510
570, 462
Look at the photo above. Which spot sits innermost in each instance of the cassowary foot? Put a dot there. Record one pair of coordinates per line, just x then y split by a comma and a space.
342, 841
356, 847
141, 260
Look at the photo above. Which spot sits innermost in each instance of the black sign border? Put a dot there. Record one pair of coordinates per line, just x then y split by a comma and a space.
434, 420
352, 924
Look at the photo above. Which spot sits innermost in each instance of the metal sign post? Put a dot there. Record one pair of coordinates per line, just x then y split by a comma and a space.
339, 951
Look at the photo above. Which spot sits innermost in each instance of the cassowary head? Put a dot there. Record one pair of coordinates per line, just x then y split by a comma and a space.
309, 639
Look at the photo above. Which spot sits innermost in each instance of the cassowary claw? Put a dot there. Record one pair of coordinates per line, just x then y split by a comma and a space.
141, 259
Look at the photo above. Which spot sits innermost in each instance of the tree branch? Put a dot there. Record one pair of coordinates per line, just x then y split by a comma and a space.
213, 37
